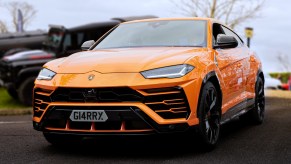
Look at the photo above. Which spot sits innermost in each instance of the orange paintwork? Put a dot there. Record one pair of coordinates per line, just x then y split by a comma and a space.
236, 71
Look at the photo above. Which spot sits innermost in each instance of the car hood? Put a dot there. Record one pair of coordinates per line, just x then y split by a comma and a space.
28, 55
123, 59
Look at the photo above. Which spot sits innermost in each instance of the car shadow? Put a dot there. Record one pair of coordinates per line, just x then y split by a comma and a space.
135, 146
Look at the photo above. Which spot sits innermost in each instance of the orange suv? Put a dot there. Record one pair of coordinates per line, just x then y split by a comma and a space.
151, 76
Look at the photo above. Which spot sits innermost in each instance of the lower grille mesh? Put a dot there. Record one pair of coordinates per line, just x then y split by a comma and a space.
169, 103
41, 101
122, 94
123, 119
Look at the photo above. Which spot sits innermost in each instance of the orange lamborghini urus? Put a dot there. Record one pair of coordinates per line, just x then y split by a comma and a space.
151, 76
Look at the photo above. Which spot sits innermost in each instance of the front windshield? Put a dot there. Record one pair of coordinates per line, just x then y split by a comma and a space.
177, 33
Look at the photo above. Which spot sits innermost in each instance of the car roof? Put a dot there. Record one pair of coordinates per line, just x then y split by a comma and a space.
181, 18
112, 22
93, 25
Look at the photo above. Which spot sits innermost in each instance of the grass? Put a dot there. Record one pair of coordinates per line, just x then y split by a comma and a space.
8, 103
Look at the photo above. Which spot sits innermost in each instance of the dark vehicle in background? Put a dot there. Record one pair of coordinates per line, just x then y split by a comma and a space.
18, 71
11, 43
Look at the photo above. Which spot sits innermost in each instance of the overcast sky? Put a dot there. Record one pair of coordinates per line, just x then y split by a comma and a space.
272, 30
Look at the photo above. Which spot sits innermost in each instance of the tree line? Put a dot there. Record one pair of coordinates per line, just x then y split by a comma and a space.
231, 12
28, 13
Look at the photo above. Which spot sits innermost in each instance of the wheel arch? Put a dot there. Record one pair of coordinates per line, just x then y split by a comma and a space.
213, 78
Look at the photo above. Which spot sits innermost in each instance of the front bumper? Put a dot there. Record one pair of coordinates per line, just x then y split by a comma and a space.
122, 120
161, 108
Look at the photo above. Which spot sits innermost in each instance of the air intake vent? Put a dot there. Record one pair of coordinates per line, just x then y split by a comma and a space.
41, 101
169, 103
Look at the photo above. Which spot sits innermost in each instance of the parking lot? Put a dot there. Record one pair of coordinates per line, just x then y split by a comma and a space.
240, 143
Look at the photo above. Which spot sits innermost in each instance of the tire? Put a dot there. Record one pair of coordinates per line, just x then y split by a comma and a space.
25, 91
59, 140
209, 117
13, 93
257, 114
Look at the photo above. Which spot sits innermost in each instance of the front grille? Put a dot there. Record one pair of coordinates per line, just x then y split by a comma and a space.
169, 103
120, 119
41, 101
123, 94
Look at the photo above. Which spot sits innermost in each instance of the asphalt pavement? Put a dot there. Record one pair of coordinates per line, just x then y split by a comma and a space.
240, 142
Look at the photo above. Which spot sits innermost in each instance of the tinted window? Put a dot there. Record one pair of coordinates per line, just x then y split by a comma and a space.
54, 37
80, 38
230, 33
187, 33
67, 42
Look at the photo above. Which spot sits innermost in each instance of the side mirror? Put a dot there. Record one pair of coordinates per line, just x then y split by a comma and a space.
226, 41
86, 45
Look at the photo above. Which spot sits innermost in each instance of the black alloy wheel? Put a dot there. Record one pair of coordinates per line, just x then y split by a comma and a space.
209, 116
25, 91
258, 113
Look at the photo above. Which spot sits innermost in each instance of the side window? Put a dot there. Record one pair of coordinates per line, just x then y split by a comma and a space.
230, 33
67, 42
80, 38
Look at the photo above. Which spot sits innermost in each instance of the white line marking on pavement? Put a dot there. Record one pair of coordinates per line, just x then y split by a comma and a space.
14, 122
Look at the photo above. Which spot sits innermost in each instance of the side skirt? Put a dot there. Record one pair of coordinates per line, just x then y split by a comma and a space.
238, 110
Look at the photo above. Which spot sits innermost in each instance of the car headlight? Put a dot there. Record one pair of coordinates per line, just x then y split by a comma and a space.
175, 71
45, 74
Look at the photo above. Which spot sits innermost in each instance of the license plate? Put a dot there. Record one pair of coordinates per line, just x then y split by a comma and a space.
88, 116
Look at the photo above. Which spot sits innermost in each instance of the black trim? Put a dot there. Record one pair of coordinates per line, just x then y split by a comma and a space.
83, 134
238, 110
113, 94
161, 128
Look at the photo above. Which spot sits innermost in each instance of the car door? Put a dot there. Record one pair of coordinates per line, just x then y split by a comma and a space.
244, 53
231, 63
